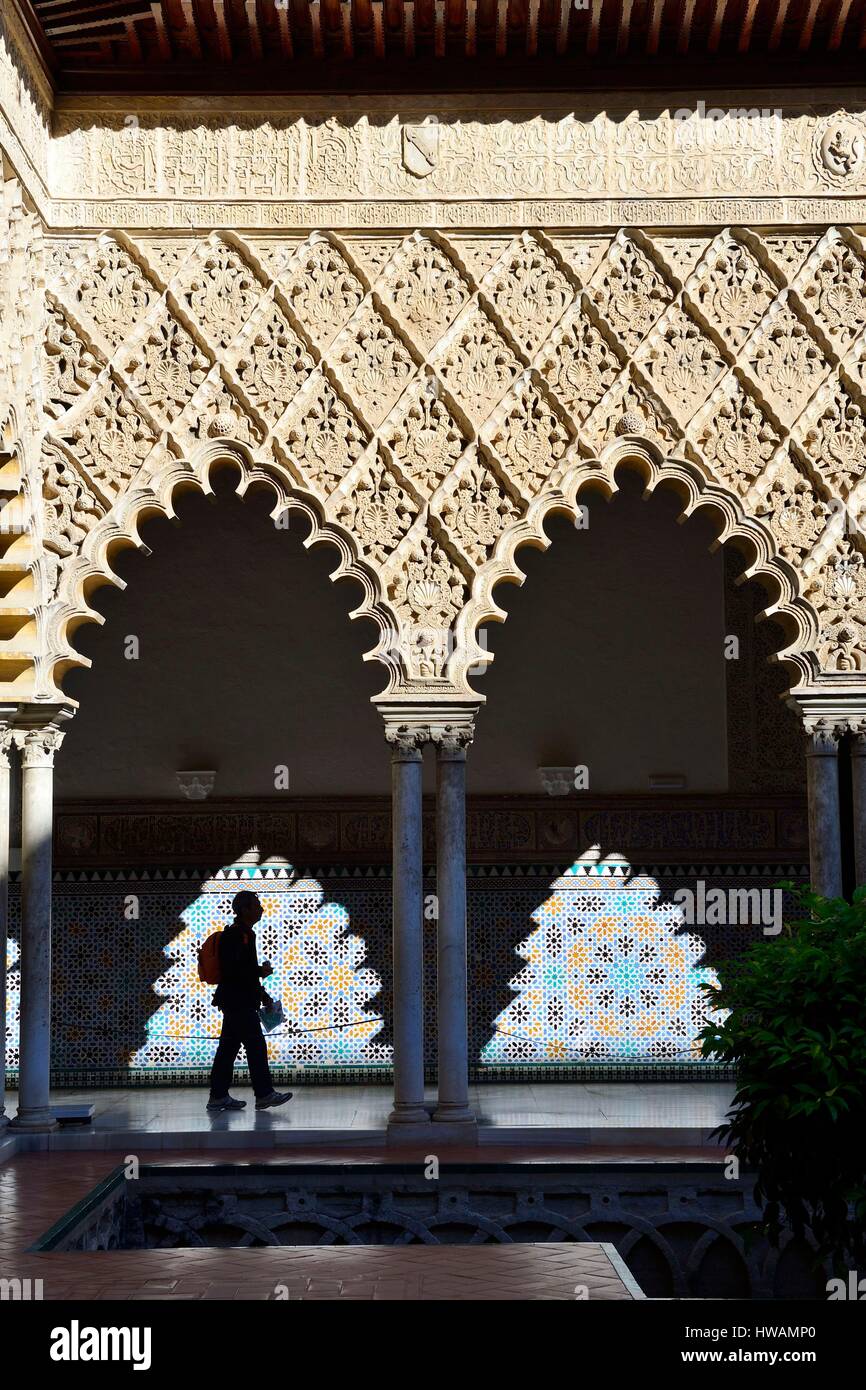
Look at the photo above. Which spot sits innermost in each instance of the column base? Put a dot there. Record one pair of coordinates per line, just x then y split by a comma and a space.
34, 1121
454, 1115
409, 1115
432, 1135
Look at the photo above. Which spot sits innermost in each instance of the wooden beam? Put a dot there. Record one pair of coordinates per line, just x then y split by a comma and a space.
84, 27
685, 34
594, 23
132, 40
652, 37
78, 10
839, 25
562, 25
439, 29
779, 24
808, 28
346, 21
190, 28
501, 28
532, 29
162, 37
225, 43
745, 38
253, 29
378, 29
470, 39
624, 26
716, 26
316, 24
287, 48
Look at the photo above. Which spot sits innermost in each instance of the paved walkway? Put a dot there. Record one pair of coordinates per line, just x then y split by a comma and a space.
36, 1189
630, 1117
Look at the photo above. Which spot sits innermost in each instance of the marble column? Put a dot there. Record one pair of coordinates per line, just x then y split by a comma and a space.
453, 1094
858, 788
38, 747
408, 926
6, 743
825, 841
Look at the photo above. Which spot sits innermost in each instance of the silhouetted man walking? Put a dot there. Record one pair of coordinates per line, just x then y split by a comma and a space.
240, 994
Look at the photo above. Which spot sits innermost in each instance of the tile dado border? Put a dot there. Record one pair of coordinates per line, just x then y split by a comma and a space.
721, 828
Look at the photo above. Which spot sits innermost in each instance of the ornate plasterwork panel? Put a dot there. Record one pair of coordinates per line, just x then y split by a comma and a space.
495, 161
426, 399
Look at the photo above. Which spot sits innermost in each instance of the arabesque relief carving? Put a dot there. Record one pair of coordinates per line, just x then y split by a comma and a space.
426, 406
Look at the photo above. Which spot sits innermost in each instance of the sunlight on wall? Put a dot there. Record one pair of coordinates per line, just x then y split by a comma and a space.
607, 977
318, 975
13, 1001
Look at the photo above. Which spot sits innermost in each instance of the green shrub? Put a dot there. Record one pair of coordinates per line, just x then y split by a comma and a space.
796, 1031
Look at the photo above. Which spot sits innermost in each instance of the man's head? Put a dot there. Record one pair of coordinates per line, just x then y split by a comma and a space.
247, 908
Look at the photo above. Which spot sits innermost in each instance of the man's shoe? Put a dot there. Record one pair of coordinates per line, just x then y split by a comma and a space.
275, 1098
227, 1103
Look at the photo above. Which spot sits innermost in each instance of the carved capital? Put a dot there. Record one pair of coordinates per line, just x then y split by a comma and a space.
38, 746
822, 736
406, 740
410, 725
7, 742
452, 740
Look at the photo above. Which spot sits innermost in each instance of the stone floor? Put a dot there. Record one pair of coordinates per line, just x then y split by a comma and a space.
37, 1188
621, 1116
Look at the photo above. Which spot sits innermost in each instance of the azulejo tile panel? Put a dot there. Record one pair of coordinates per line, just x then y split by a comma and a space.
127, 1003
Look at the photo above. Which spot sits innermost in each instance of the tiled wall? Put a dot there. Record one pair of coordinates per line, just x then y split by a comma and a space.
607, 981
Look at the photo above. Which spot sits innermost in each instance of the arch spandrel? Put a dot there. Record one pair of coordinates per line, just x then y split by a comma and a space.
428, 404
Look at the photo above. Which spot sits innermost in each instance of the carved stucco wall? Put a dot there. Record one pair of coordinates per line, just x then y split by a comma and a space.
427, 406
498, 303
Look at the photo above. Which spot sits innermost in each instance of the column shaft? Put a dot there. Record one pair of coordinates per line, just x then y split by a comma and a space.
825, 841
453, 1098
5, 774
858, 787
37, 794
408, 943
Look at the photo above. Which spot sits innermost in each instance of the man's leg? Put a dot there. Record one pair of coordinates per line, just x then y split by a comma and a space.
257, 1054
228, 1048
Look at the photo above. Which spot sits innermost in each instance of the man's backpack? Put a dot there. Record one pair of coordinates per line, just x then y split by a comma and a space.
209, 960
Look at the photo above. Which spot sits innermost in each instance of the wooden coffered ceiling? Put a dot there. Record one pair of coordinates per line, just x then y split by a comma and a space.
263, 45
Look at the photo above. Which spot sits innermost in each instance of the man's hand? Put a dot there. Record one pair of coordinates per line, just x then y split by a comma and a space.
268, 1001
266, 969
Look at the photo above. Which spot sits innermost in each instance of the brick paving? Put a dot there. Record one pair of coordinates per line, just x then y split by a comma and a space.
36, 1189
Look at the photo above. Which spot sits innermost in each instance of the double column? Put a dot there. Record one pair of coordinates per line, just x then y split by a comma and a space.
38, 744
822, 785
408, 739
828, 716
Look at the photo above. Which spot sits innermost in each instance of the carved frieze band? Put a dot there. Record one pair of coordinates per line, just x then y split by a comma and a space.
499, 830
255, 167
